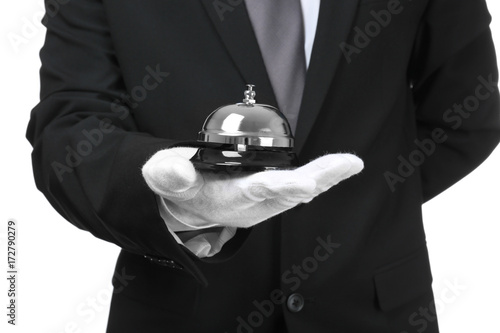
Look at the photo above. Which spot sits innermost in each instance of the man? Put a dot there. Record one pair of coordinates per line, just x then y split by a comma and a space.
408, 86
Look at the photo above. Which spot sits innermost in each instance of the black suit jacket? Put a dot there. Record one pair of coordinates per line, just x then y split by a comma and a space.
402, 84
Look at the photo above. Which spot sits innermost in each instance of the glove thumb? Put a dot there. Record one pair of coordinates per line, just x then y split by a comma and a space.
170, 174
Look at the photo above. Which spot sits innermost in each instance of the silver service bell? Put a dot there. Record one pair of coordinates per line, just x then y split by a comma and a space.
249, 136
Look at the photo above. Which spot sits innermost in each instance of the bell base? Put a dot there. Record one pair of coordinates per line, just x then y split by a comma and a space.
250, 160
223, 157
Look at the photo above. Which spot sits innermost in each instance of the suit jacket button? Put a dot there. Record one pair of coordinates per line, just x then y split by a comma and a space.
295, 302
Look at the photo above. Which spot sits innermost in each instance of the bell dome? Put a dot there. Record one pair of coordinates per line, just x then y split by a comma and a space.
247, 124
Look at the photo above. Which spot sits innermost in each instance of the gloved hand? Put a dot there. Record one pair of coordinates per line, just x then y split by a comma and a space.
200, 198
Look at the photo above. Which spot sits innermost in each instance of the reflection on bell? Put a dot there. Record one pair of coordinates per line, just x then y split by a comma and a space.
253, 137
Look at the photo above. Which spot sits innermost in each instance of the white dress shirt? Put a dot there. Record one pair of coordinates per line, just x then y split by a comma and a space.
210, 243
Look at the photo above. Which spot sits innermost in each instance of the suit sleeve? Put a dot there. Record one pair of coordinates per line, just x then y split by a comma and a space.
87, 150
455, 91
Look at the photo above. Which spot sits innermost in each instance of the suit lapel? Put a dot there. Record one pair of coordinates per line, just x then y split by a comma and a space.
235, 29
334, 25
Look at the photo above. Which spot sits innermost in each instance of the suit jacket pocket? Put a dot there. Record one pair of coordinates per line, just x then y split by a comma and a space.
404, 280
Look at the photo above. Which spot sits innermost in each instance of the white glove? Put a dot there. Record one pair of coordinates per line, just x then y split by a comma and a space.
204, 198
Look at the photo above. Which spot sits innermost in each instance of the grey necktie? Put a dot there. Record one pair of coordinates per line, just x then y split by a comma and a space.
279, 28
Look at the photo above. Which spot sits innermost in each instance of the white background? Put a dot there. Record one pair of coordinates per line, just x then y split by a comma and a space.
63, 270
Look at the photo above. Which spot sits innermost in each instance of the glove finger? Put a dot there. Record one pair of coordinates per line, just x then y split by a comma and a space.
331, 169
284, 203
272, 184
172, 176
